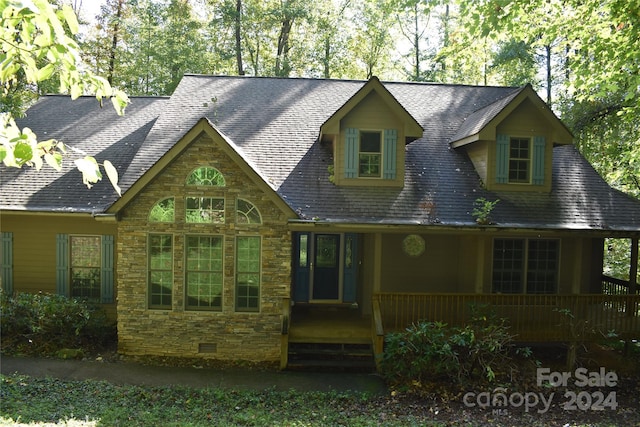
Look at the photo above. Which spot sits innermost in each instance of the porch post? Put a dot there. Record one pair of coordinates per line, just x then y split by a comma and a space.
633, 267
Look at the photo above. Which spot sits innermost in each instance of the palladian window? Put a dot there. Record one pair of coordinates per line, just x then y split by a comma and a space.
247, 213
204, 272
205, 210
206, 176
163, 211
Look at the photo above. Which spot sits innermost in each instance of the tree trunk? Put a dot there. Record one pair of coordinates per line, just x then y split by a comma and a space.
548, 52
416, 43
114, 42
238, 21
327, 58
283, 48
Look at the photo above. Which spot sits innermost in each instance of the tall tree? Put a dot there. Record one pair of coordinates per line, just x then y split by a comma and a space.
414, 18
371, 44
514, 63
601, 94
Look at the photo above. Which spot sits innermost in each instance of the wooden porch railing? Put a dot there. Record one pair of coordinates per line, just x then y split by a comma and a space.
613, 286
532, 318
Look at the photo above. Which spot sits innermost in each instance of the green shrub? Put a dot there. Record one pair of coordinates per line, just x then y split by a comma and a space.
436, 351
44, 323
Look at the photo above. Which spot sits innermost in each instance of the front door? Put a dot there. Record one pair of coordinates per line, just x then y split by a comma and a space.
326, 267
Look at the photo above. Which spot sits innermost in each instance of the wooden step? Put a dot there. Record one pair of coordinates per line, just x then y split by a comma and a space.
327, 356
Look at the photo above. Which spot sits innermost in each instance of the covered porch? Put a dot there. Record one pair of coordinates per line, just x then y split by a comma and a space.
380, 288
346, 330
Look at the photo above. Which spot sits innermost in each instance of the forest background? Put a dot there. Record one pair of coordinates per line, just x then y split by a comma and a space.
582, 56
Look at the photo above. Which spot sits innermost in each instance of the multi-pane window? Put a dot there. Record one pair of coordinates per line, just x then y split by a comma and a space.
247, 273
370, 155
525, 265
247, 213
542, 266
204, 272
205, 210
519, 160
160, 270
85, 267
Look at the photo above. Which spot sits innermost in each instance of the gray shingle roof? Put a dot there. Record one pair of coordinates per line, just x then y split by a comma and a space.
275, 124
83, 125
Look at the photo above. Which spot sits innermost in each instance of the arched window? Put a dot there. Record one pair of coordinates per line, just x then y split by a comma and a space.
247, 213
206, 176
163, 211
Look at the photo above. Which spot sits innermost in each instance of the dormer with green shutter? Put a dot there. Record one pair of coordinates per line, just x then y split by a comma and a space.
510, 142
368, 135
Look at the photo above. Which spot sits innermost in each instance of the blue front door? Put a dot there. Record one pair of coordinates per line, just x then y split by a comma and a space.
325, 267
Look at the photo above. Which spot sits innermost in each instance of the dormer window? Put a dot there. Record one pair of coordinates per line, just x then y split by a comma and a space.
370, 154
519, 160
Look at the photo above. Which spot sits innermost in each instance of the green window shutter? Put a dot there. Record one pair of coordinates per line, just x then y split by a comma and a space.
351, 153
502, 159
390, 144
62, 264
7, 262
539, 144
106, 276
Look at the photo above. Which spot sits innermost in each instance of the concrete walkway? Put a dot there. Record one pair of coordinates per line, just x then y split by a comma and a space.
131, 373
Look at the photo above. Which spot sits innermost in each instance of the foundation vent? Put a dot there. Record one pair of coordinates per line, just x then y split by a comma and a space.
207, 347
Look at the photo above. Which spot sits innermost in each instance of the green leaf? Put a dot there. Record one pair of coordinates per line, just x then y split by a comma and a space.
89, 169
54, 160
22, 153
112, 174
45, 72
70, 17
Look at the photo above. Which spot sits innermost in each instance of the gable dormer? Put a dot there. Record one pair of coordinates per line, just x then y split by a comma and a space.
368, 135
510, 142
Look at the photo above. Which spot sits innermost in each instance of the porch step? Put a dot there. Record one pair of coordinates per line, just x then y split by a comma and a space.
331, 356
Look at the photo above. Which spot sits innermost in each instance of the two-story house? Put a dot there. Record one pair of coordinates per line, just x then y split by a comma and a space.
263, 216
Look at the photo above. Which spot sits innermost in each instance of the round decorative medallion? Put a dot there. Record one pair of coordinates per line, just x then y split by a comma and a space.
413, 245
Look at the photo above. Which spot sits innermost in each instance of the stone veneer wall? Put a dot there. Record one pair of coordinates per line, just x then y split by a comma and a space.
225, 334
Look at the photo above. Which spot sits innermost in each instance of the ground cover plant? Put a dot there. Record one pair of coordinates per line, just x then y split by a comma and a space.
93, 403
44, 324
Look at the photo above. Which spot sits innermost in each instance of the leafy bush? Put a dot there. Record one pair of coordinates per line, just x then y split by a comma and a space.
44, 323
434, 350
